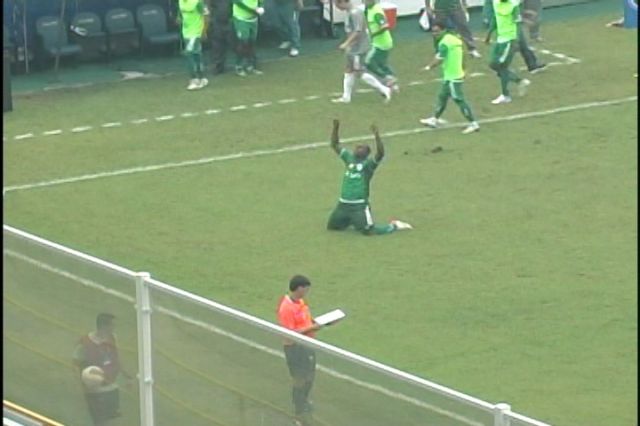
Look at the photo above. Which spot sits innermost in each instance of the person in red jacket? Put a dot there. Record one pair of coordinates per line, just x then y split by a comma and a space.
99, 348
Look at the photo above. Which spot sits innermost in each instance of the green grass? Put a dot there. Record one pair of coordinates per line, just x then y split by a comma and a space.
518, 283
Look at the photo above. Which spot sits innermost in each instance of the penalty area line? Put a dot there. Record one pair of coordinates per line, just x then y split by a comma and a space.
303, 147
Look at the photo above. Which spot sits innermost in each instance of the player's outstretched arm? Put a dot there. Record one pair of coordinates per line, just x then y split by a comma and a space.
335, 137
379, 144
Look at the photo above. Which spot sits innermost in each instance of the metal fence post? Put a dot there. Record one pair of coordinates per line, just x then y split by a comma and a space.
145, 372
499, 414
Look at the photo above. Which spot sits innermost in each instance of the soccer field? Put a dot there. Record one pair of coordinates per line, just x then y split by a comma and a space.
517, 284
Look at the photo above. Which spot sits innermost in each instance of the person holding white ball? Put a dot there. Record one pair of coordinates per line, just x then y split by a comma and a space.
98, 363
245, 25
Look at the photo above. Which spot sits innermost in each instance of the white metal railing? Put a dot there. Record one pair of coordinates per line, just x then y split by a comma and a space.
501, 413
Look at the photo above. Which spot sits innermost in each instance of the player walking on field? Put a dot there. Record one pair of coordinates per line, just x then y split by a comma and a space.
353, 207
192, 16
450, 53
377, 60
506, 15
245, 25
356, 46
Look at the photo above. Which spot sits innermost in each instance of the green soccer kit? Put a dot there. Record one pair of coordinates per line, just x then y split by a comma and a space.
353, 206
192, 14
506, 16
451, 52
377, 60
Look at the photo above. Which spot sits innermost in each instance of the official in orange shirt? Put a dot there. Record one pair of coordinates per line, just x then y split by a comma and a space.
294, 314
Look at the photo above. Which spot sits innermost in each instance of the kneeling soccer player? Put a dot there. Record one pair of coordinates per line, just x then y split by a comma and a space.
353, 207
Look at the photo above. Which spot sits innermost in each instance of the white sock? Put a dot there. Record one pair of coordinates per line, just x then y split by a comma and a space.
348, 83
374, 82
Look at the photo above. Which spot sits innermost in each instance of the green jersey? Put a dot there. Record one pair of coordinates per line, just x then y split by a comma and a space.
506, 15
376, 19
451, 52
357, 175
242, 13
192, 12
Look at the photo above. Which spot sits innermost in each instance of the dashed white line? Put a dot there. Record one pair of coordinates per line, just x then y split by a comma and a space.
24, 136
286, 101
140, 121
311, 97
364, 90
189, 114
212, 111
81, 129
262, 104
238, 108
112, 124
302, 147
165, 117
52, 132
416, 83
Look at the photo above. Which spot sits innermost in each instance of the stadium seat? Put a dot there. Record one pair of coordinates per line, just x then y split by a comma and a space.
153, 23
122, 34
94, 42
52, 37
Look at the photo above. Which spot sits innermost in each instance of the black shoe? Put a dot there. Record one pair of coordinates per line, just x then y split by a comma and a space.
537, 68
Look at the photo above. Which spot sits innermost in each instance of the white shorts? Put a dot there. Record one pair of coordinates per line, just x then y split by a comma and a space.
355, 62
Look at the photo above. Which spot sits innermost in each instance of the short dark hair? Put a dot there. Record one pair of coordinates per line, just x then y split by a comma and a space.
103, 320
298, 281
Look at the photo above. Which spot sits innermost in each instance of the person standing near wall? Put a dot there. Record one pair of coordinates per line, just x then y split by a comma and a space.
454, 13
221, 33
287, 14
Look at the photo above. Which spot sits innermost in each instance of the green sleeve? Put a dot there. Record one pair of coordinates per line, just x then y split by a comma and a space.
347, 156
380, 19
442, 51
371, 164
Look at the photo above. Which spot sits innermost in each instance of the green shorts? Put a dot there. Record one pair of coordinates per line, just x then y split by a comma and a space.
502, 53
376, 62
193, 45
245, 30
453, 89
344, 215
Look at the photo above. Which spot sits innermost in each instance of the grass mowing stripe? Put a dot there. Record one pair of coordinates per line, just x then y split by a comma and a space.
292, 148
247, 342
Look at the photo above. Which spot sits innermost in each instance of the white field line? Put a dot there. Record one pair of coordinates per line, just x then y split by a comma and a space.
242, 340
293, 148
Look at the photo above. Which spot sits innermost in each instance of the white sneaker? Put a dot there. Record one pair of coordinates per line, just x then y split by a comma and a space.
475, 54
430, 122
502, 99
522, 86
400, 225
395, 88
194, 84
294, 52
204, 82
341, 100
472, 127
284, 45
387, 95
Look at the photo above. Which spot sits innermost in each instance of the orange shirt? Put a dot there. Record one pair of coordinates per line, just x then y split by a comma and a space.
294, 315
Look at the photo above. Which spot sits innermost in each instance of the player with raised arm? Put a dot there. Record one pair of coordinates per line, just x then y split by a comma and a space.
353, 206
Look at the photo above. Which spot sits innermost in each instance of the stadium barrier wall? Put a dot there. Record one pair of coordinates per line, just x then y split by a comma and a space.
199, 362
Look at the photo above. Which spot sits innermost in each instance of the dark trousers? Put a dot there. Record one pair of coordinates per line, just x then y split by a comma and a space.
523, 47
457, 19
222, 39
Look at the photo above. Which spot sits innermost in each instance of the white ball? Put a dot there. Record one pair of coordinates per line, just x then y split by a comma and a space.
92, 376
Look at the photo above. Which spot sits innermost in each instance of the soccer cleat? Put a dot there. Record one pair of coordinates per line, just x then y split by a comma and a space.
395, 88
241, 72
194, 84
387, 95
341, 100
294, 52
254, 71
203, 83
472, 127
522, 86
474, 53
538, 68
502, 99
400, 225
284, 45
430, 122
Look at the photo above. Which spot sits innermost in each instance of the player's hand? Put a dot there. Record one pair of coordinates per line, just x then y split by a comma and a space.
342, 46
427, 68
374, 129
260, 10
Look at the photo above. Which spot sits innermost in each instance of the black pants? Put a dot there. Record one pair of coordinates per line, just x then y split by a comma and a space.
527, 54
222, 39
